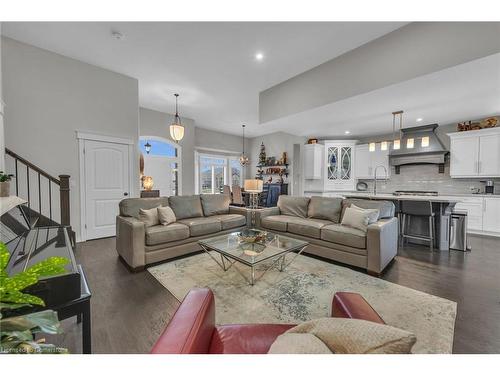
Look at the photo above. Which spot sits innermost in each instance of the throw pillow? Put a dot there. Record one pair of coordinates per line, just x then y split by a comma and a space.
166, 215
343, 336
356, 219
373, 213
149, 217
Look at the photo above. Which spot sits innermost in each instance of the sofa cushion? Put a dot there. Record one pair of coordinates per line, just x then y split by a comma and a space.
343, 235
198, 226
166, 215
149, 217
230, 221
186, 206
166, 233
130, 206
386, 208
293, 206
357, 218
276, 222
307, 227
325, 208
215, 204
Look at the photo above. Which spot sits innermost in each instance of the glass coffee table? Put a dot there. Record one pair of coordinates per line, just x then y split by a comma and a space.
272, 249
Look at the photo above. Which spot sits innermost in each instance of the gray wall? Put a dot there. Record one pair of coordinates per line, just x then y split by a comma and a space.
213, 140
276, 144
157, 123
48, 97
411, 51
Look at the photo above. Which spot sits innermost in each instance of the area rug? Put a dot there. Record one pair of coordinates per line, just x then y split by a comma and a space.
304, 291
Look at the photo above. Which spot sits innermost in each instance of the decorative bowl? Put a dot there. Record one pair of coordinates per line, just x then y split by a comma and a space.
252, 236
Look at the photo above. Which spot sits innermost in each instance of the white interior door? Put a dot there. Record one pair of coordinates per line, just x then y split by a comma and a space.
160, 168
106, 184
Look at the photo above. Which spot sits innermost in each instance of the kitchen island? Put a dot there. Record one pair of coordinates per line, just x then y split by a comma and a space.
442, 206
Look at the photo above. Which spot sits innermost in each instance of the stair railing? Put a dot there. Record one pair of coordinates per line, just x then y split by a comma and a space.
21, 165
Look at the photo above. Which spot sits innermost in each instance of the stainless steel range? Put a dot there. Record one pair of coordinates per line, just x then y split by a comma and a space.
416, 192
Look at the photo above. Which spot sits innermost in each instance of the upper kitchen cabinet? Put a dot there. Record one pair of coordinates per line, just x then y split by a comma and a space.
339, 165
475, 153
366, 161
313, 161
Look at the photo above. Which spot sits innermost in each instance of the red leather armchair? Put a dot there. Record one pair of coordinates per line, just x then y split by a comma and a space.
192, 329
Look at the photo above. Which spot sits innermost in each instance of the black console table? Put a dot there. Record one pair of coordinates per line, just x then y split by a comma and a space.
67, 294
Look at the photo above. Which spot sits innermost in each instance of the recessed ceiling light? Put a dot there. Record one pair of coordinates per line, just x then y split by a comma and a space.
259, 56
347, 132
420, 119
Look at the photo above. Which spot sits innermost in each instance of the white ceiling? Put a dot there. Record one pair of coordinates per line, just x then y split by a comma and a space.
211, 65
465, 92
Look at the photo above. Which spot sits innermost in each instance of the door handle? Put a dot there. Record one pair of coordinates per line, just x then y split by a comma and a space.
125, 194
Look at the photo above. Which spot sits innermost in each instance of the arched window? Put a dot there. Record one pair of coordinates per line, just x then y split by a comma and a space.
161, 159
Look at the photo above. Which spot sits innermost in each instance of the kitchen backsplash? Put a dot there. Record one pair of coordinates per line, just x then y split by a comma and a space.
427, 177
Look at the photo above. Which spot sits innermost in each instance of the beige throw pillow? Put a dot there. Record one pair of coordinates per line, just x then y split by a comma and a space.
149, 217
355, 219
166, 215
343, 336
373, 213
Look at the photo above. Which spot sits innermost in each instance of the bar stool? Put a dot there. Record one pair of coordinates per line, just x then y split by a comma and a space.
420, 209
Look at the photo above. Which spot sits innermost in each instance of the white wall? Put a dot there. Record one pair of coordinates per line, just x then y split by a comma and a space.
276, 144
48, 97
217, 141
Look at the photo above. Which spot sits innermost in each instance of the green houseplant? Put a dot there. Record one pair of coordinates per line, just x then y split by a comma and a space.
5, 184
17, 331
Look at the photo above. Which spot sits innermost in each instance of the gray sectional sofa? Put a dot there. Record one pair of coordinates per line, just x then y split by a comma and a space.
317, 220
198, 216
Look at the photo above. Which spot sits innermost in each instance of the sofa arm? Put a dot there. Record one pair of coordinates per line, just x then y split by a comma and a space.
353, 306
130, 240
191, 328
382, 244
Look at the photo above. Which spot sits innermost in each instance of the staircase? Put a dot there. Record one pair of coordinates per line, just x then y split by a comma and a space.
48, 198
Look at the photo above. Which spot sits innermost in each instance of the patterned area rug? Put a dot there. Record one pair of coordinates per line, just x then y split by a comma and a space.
304, 291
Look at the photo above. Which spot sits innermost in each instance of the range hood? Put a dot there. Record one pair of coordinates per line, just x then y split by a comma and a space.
433, 153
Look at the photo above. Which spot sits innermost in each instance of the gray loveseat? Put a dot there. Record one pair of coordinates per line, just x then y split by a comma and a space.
198, 216
317, 220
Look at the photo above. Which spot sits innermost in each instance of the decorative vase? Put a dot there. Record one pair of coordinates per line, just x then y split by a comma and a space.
4, 189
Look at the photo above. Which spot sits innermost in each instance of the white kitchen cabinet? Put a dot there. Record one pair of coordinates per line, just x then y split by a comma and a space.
474, 208
367, 161
339, 165
489, 155
475, 153
491, 215
313, 161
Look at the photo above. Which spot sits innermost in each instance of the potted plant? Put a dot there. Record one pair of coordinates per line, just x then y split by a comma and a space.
17, 330
5, 184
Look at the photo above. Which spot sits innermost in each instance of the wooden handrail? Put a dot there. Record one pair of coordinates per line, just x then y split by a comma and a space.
32, 166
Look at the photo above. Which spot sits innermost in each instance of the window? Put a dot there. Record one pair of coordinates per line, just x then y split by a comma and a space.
215, 171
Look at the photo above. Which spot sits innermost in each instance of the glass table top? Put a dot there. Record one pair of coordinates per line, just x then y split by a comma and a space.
233, 246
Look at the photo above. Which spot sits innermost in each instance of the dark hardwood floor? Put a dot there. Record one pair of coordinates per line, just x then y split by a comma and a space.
130, 310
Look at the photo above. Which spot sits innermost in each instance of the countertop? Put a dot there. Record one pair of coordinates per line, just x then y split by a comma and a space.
389, 194
427, 198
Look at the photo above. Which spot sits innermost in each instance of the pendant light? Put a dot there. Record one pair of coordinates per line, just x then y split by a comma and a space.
396, 145
176, 129
147, 147
243, 157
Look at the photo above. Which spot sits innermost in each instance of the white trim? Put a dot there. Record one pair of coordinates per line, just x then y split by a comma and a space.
206, 149
474, 133
227, 169
104, 138
133, 188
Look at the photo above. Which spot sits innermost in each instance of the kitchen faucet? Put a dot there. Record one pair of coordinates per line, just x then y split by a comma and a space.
375, 178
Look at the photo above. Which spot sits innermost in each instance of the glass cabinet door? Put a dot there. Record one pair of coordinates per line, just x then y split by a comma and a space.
346, 165
333, 163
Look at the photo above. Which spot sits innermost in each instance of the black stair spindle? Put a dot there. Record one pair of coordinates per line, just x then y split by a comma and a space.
50, 200
28, 185
39, 196
17, 179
